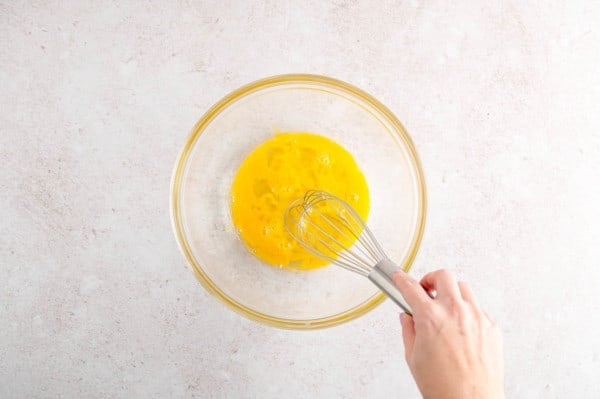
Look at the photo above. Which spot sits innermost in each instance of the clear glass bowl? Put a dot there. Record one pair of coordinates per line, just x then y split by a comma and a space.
204, 171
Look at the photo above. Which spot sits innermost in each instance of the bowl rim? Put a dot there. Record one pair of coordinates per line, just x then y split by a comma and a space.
176, 182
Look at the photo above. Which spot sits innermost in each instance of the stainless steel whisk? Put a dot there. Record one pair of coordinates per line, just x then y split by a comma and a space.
332, 230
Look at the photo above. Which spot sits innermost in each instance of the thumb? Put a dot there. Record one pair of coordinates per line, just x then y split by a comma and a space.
408, 333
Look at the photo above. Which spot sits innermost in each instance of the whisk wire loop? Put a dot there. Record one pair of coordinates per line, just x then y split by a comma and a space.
332, 230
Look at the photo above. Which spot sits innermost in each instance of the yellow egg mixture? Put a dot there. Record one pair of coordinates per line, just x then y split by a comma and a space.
280, 170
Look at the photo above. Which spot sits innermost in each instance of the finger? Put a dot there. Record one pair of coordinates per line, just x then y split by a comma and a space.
487, 316
408, 333
467, 293
410, 289
443, 282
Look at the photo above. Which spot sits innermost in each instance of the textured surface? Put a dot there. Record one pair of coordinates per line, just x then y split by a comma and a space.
95, 298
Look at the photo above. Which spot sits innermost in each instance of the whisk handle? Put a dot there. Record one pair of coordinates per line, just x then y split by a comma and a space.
381, 276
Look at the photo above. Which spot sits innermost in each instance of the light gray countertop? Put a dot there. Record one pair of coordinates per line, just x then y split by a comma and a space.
96, 99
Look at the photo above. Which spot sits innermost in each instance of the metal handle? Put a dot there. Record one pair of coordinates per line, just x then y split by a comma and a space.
381, 276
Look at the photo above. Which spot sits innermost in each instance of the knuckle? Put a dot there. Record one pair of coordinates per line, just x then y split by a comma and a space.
447, 275
443, 272
437, 273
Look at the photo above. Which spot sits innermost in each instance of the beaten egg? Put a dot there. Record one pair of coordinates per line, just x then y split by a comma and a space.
280, 170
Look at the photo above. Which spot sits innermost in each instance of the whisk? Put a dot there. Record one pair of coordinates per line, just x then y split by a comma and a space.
332, 230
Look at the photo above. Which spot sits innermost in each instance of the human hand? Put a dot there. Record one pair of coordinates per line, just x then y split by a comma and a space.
452, 348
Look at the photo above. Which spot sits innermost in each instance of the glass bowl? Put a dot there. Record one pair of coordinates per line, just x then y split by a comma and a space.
204, 171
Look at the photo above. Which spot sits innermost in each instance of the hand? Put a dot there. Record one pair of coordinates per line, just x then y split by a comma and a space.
452, 347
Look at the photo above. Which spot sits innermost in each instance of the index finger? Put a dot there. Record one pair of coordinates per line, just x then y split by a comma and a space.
443, 282
410, 289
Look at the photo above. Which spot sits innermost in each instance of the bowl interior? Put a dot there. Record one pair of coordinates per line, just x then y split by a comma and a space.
216, 148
